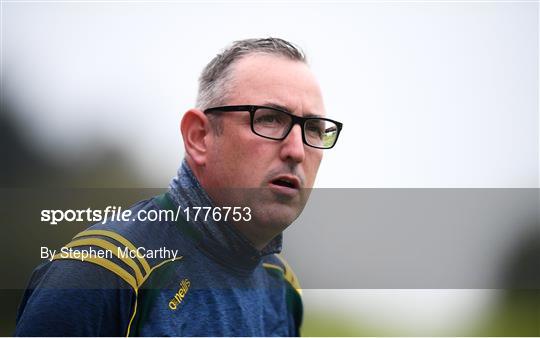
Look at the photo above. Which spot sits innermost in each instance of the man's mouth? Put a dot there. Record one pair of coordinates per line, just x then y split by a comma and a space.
285, 184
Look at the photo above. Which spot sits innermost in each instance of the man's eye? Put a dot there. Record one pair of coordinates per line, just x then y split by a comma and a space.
315, 130
266, 118
269, 119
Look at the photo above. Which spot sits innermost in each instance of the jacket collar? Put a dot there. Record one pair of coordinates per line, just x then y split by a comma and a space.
220, 240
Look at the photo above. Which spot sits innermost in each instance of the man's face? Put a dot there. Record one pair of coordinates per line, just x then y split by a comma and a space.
238, 158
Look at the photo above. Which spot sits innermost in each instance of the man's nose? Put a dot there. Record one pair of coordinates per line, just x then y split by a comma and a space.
293, 146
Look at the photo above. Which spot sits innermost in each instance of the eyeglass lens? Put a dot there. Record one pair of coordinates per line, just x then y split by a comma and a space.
275, 124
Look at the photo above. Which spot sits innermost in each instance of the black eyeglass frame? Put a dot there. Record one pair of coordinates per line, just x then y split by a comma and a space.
300, 120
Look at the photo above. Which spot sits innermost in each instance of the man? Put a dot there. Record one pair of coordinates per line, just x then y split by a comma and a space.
254, 145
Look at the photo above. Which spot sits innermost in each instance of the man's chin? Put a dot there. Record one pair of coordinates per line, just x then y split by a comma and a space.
268, 208
277, 214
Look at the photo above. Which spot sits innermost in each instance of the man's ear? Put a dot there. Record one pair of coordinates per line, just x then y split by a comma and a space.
195, 129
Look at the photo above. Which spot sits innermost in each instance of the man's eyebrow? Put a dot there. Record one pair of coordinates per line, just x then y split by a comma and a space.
280, 107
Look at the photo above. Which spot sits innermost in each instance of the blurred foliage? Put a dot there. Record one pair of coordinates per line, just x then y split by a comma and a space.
517, 311
29, 180
516, 314
320, 323
23, 165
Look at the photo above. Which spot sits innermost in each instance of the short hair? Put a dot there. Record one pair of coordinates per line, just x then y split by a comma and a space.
216, 75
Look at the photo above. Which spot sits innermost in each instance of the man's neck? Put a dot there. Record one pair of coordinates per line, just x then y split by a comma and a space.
221, 238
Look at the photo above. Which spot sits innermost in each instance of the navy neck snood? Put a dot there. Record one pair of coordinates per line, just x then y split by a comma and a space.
221, 240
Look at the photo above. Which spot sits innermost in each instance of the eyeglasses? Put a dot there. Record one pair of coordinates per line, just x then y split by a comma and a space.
276, 124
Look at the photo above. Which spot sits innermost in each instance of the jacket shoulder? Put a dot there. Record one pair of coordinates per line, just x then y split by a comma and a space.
129, 249
277, 265
278, 262
68, 298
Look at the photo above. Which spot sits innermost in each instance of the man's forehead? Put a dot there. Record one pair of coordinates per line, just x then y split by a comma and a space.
275, 81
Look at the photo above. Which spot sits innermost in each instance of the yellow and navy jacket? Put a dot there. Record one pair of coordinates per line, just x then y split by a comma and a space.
220, 286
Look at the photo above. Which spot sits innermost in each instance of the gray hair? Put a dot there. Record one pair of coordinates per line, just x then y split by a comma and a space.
215, 77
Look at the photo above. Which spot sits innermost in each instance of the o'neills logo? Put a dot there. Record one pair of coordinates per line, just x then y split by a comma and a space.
179, 296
